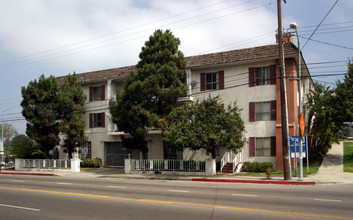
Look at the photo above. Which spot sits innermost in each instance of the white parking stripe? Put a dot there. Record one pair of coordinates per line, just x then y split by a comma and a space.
328, 200
174, 190
64, 183
119, 187
246, 195
19, 207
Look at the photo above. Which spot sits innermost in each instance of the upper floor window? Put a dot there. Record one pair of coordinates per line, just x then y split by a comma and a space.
265, 75
97, 120
262, 75
97, 93
262, 111
212, 81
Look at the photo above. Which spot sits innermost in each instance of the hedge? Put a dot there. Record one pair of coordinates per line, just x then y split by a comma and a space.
91, 162
256, 166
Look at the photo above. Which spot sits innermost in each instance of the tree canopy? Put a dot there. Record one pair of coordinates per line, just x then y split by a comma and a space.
150, 94
25, 148
40, 106
328, 110
205, 124
51, 108
72, 126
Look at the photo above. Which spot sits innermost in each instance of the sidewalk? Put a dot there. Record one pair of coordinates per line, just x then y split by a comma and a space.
331, 171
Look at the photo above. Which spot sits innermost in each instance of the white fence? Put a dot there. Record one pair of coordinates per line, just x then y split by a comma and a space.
180, 167
72, 165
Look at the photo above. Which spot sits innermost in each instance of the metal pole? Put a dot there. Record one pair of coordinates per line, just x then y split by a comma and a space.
300, 111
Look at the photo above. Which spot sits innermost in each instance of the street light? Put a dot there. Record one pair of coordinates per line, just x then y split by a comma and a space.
294, 26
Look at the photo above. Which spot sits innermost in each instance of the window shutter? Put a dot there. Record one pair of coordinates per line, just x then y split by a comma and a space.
103, 92
273, 110
251, 146
251, 77
90, 120
221, 79
203, 81
273, 75
273, 146
251, 111
103, 119
90, 94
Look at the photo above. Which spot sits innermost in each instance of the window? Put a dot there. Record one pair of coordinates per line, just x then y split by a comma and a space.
262, 76
262, 146
262, 111
97, 120
86, 151
97, 93
212, 81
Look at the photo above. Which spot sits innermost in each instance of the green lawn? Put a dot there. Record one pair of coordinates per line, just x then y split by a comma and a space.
347, 159
313, 168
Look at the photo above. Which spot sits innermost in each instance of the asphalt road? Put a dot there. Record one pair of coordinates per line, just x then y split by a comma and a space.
36, 197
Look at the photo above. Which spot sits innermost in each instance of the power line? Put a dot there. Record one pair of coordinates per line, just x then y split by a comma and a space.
320, 24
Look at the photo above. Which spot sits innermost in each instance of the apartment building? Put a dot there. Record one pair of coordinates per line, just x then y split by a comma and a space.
249, 77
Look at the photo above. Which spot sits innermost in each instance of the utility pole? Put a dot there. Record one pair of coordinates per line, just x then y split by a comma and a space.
286, 171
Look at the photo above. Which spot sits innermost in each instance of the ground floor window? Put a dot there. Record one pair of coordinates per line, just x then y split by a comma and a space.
86, 151
262, 146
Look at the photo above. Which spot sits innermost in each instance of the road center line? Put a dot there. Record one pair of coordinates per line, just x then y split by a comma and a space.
64, 183
184, 203
119, 187
328, 200
181, 191
247, 195
19, 207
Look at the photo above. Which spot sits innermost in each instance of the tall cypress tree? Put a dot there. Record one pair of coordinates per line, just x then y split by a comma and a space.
71, 109
150, 94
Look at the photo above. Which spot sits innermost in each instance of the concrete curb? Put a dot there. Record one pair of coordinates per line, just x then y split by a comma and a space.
281, 182
33, 174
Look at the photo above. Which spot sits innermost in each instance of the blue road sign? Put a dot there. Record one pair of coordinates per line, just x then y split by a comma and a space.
294, 146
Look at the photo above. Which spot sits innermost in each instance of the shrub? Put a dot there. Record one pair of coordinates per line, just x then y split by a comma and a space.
91, 162
256, 166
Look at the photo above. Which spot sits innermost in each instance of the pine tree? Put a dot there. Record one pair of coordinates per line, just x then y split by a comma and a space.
40, 108
71, 108
150, 94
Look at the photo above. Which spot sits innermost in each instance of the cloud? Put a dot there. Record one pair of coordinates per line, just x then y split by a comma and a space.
109, 33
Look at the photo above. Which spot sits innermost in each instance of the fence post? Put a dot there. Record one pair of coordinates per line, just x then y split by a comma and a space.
210, 167
75, 165
127, 162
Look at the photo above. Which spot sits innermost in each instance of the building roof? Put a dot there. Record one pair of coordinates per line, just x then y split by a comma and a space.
227, 57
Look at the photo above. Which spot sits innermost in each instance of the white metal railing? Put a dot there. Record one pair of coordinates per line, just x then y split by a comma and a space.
43, 164
237, 159
168, 165
225, 159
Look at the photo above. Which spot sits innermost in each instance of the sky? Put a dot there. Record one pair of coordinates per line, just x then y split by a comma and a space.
56, 38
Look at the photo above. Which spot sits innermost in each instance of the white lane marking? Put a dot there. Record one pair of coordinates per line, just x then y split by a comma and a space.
328, 200
119, 187
64, 183
19, 207
181, 191
20, 181
246, 195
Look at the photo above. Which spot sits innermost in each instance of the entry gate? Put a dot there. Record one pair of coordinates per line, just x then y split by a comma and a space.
115, 154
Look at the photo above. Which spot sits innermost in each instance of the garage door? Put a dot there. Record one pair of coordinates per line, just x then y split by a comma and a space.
115, 154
